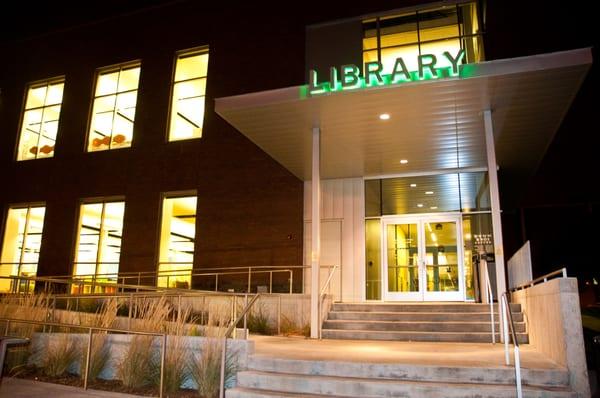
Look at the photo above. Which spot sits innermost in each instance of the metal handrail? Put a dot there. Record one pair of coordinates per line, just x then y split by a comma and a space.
490, 298
90, 330
507, 313
226, 335
543, 278
322, 296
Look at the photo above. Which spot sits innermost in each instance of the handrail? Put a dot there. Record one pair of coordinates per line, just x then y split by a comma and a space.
562, 271
507, 313
322, 296
90, 330
490, 298
227, 333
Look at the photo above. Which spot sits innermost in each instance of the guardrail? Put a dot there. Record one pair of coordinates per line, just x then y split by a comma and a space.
90, 330
490, 298
508, 320
544, 278
322, 297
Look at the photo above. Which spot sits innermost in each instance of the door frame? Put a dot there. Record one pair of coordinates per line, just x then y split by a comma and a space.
422, 294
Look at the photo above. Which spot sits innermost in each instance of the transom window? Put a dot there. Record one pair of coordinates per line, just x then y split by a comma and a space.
39, 125
188, 95
21, 246
430, 31
113, 112
99, 243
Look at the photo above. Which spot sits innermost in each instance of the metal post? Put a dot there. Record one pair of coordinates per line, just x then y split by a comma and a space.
271, 282
179, 306
130, 311
249, 279
87, 360
245, 318
291, 281
279, 314
216, 282
223, 357
163, 355
7, 327
504, 328
315, 257
203, 309
233, 313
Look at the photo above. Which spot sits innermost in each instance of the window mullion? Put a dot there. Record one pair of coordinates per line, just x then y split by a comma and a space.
26, 227
100, 239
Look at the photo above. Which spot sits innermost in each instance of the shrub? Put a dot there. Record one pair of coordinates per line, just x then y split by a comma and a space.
206, 368
138, 364
100, 353
58, 356
258, 320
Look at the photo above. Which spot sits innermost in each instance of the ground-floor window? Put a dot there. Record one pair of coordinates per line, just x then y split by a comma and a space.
177, 240
21, 246
98, 249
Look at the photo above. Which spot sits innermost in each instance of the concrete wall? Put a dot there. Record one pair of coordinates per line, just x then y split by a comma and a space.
554, 325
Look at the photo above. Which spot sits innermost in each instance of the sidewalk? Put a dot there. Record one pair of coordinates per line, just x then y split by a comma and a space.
21, 388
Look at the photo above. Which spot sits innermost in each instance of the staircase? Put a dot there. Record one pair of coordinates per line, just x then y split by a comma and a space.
271, 377
447, 322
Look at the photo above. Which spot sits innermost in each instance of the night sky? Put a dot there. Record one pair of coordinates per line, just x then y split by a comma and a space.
559, 210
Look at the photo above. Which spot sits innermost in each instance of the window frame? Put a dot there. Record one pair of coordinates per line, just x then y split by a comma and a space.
28, 86
107, 69
204, 49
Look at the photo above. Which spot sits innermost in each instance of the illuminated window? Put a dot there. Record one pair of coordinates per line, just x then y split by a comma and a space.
177, 238
113, 113
21, 246
188, 95
99, 243
430, 31
40, 120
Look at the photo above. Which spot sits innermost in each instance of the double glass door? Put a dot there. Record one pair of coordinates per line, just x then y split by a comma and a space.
422, 258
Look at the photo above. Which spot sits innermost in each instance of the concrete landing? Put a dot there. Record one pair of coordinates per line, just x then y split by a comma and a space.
21, 388
421, 353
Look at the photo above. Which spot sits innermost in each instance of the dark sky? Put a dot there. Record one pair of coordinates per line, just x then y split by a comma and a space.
560, 204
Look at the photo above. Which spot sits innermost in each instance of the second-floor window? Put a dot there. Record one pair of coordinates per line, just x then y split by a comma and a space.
39, 125
427, 31
113, 111
188, 95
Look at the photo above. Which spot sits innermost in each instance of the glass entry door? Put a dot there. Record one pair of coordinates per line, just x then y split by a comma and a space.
422, 258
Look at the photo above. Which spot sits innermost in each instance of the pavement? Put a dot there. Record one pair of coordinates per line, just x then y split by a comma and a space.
22, 388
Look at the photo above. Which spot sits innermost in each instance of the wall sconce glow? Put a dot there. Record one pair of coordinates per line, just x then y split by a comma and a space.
413, 185
420, 205
403, 161
349, 77
384, 116
428, 192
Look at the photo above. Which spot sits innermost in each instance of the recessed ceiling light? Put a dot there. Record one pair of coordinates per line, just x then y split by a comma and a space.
433, 207
384, 116
403, 161
413, 185
420, 205
428, 192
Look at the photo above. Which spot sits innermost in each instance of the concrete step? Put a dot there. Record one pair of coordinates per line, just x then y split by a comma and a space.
418, 316
415, 336
397, 371
418, 326
428, 307
360, 387
242, 392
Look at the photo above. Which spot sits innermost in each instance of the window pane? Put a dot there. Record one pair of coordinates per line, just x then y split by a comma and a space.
178, 236
190, 67
407, 53
187, 103
113, 114
438, 24
39, 126
398, 30
373, 258
21, 244
99, 242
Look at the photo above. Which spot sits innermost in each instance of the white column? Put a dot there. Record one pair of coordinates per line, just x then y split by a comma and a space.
495, 199
315, 256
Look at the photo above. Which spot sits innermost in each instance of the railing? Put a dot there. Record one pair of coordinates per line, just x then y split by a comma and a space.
227, 334
90, 330
322, 297
508, 320
544, 278
490, 298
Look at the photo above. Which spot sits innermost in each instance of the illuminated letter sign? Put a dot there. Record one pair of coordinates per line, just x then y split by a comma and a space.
348, 77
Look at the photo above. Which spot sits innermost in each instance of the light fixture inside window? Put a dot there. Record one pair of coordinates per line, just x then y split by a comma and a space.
428, 192
420, 205
433, 207
384, 116
403, 161
413, 185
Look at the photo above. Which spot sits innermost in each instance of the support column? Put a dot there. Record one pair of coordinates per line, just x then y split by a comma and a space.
315, 256
495, 202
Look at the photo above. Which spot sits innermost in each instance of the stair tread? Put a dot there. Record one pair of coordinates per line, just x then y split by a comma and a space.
420, 312
282, 393
417, 322
446, 384
411, 332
